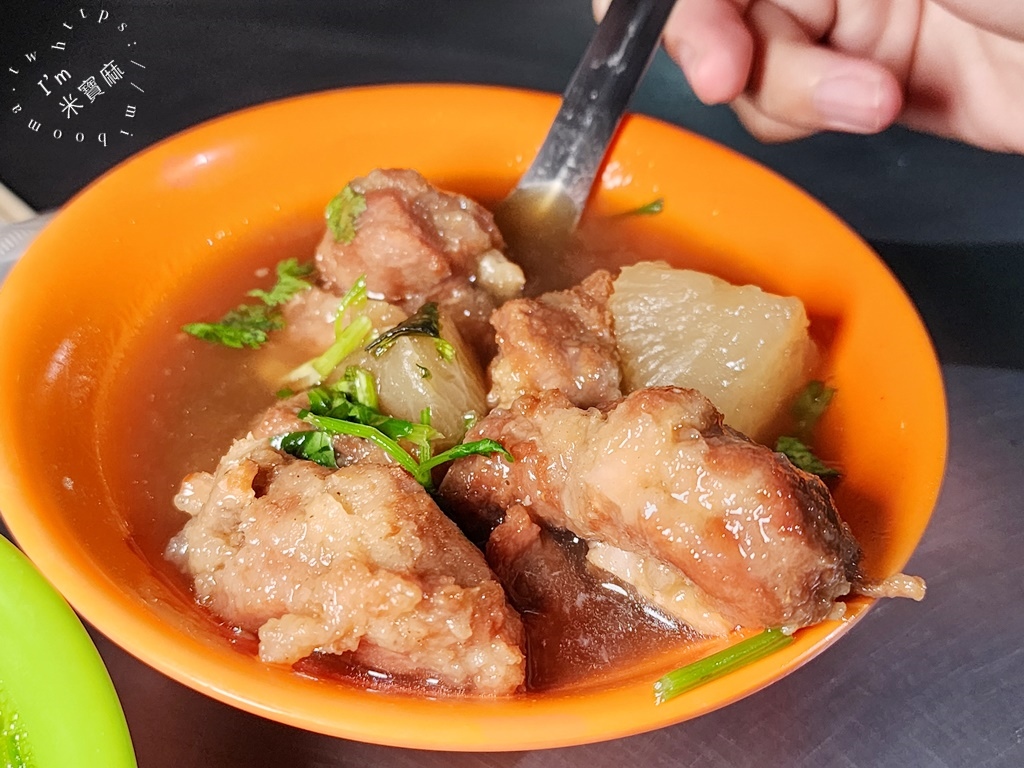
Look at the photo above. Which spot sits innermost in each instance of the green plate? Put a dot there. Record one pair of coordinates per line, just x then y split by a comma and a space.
58, 708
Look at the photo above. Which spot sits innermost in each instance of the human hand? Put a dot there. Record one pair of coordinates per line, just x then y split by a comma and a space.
790, 68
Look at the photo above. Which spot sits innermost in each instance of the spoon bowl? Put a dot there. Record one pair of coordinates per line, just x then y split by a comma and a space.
540, 214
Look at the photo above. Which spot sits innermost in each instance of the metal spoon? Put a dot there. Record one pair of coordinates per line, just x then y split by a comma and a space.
539, 215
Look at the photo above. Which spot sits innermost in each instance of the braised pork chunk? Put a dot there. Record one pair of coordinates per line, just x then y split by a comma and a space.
562, 599
657, 474
353, 561
416, 243
562, 340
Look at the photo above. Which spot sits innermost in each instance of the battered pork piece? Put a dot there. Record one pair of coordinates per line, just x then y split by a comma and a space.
561, 599
416, 243
357, 560
562, 340
657, 474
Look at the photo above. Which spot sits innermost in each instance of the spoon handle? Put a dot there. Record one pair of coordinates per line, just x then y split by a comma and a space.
596, 98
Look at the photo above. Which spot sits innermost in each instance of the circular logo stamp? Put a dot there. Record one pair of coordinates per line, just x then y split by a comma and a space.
80, 79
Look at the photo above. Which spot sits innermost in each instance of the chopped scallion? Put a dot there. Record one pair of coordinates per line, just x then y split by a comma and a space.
348, 337
718, 664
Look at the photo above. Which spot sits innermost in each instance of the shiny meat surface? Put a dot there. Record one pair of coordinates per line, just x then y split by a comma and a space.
662, 585
282, 417
410, 239
416, 243
355, 561
562, 340
579, 622
658, 475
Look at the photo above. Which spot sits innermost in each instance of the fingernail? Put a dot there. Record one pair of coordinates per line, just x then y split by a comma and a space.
848, 103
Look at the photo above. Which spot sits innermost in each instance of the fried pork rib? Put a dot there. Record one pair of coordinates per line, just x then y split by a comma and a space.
659, 476
356, 561
416, 243
562, 340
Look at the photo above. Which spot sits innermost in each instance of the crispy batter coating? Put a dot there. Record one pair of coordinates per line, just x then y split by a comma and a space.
354, 561
416, 243
562, 340
657, 474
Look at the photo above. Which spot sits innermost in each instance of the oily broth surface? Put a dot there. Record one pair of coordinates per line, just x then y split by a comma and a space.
178, 405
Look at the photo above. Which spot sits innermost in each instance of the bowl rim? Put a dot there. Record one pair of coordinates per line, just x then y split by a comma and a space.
103, 604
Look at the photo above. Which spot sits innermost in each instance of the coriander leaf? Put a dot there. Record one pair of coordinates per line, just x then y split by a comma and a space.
426, 321
375, 436
650, 209
312, 446
810, 405
344, 408
245, 326
341, 401
485, 447
341, 214
803, 457
289, 283
718, 664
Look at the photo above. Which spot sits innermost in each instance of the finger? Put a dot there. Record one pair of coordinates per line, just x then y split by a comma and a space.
763, 127
815, 17
710, 41
798, 83
879, 30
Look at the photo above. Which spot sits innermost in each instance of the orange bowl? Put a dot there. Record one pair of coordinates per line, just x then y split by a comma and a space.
184, 212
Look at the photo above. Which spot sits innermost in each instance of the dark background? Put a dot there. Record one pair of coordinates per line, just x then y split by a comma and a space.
949, 219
